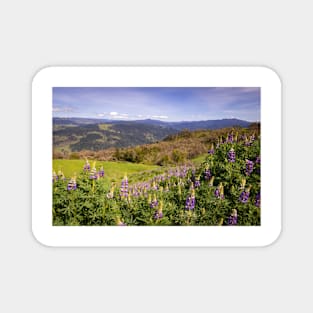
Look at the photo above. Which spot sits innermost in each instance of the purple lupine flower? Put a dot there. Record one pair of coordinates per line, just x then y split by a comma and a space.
249, 167
244, 196
86, 166
124, 187
231, 155
258, 199
211, 181
154, 202
219, 191
197, 183
190, 202
258, 160
93, 174
211, 150
207, 174
230, 138
72, 184
101, 172
233, 218
159, 213
54, 177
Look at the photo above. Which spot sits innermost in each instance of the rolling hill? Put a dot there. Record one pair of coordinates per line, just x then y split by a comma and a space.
77, 134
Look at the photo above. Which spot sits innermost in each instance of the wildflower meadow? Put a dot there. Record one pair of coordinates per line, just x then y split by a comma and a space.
224, 190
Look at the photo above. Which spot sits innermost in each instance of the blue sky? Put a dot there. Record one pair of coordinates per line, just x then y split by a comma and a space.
162, 103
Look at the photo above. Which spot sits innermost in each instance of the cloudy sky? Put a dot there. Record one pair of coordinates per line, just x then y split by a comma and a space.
163, 103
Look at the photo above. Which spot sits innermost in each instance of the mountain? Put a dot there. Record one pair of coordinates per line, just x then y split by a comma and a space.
76, 134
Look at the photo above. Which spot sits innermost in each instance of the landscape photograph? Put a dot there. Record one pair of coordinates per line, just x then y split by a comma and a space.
156, 156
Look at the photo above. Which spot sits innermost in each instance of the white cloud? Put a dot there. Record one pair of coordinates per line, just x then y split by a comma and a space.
120, 116
113, 113
62, 109
100, 114
160, 116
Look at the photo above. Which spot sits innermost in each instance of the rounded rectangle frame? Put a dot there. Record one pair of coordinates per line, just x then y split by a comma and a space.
155, 236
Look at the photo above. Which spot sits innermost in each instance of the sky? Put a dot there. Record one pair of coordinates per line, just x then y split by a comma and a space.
161, 103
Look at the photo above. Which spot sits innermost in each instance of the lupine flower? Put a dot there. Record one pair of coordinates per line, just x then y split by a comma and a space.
258, 199
207, 174
154, 186
101, 172
154, 202
86, 166
211, 181
230, 138
124, 187
72, 184
249, 167
110, 195
211, 150
236, 137
244, 196
61, 175
197, 182
243, 183
93, 172
54, 176
219, 191
191, 201
258, 160
233, 218
231, 155
159, 213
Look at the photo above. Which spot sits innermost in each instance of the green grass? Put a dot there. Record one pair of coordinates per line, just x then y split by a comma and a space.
199, 159
113, 170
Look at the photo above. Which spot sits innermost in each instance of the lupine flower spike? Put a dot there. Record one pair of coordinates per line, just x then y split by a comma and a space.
72, 184
159, 213
124, 187
244, 196
231, 155
110, 195
219, 191
93, 172
243, 183
191, 201
197, 182
211, 181
211, 151
101, 172
61, 175
249, 167
86, 166
258, 199
207, 174
154, 202
54, 176
233, 218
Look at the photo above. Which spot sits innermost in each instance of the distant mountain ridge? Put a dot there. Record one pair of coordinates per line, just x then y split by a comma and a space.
192, 125
76, 134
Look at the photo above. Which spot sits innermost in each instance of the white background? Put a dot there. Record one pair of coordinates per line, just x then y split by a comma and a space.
35, 34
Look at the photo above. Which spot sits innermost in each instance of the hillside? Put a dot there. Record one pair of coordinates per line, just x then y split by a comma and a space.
78, 134
177, 148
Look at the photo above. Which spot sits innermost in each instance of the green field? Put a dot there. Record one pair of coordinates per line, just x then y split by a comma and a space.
114, 171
